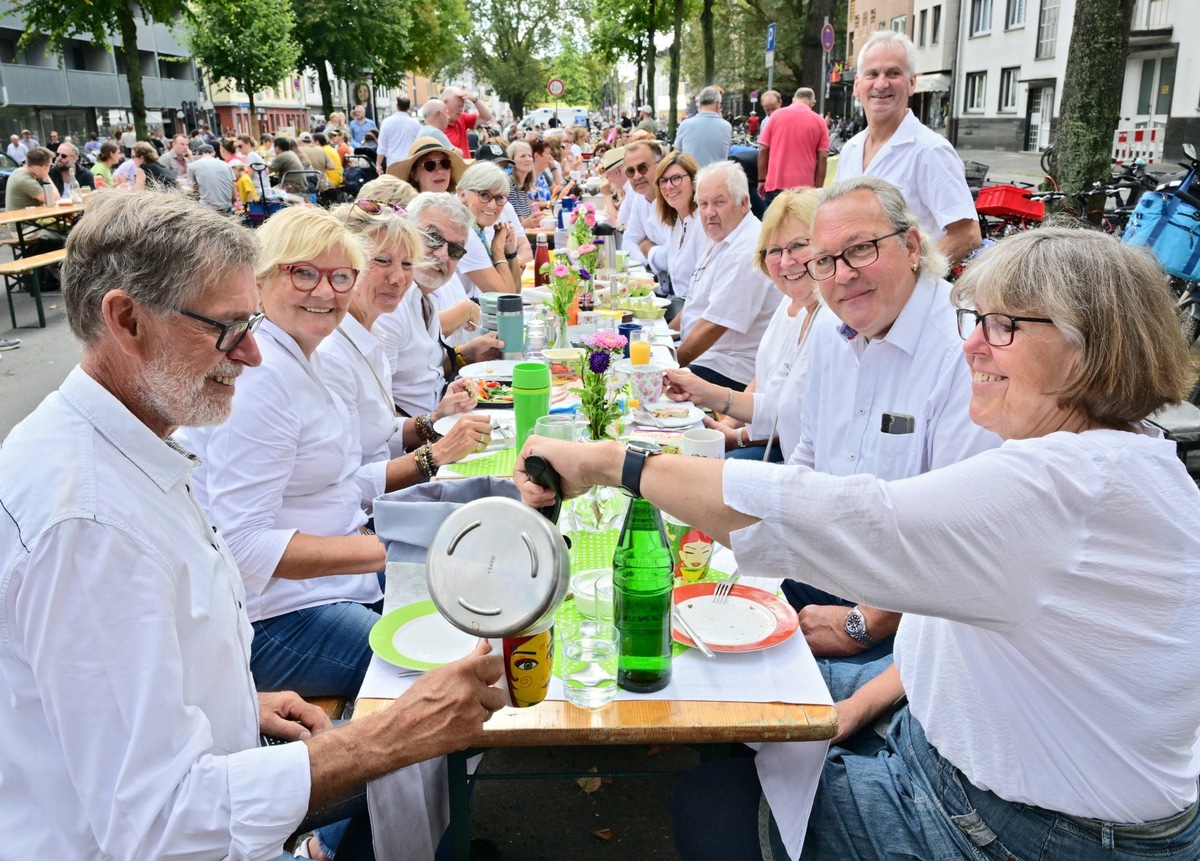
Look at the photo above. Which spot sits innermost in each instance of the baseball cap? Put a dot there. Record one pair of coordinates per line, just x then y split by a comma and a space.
492, 152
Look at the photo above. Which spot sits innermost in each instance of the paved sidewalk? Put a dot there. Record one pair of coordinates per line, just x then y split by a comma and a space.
1003, 166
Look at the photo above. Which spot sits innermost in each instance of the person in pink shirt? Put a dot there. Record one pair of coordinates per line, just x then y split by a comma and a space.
802, 140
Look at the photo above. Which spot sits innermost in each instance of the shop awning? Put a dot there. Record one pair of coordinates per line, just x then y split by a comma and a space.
933, 83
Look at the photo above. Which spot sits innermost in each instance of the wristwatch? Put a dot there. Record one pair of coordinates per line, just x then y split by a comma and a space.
636, 452
856, 628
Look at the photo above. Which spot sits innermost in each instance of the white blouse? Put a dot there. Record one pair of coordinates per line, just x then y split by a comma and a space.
415, 355
284, 462
687, 244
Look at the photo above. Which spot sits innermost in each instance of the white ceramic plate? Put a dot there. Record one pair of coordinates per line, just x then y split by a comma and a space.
694, 416
751, 619
417, 637
446, 424
501, 369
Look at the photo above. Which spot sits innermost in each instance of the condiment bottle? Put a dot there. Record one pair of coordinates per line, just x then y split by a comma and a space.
541, 258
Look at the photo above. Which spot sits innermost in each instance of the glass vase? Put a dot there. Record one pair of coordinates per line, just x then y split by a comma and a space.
599, 510
562, 338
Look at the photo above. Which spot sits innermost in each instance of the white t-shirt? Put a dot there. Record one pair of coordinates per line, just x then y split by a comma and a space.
414, 354
1048, 586
727, 290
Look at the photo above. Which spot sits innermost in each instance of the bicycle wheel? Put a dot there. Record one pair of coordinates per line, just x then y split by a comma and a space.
1048, 161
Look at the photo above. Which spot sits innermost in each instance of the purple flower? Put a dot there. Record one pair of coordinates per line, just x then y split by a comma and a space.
599, 240
598, 362
584, 274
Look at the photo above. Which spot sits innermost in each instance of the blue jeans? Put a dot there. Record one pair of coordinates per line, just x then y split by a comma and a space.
317, 652
756, 452
908, 801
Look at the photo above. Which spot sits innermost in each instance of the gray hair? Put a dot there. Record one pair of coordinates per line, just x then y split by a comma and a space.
805, 94
730, 173
1109, 300
709, 96
446, 204
161, 248
483, 176
899, 215
891, 37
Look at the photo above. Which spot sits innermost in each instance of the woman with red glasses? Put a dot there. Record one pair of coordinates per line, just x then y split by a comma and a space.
279, 477
430, 166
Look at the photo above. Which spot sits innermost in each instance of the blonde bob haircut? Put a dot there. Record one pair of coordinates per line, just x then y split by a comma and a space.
301, 233
800, 204
1111, 301
388, 189
666, 213
388, 232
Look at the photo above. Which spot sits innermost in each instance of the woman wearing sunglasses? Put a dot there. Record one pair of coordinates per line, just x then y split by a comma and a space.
430, 166
675, 202
492, 263
279, 477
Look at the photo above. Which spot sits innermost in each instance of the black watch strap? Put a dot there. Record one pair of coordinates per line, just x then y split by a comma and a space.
631, 471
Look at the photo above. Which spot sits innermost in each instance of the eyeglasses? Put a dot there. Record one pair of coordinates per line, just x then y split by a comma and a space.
672, 180
231, 333
375, 207
487, 197
432, 164
857, 256
794, 249
998, 329
306, 277
632, 170
434, 240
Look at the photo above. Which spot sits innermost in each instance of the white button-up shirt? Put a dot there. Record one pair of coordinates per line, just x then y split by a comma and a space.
684, 248
924, 166
414, 353
727, 290
917, 369
644, 223
354, 368
127, 708
396, 135
284, 462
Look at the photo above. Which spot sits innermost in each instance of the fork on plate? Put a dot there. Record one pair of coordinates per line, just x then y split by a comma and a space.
723, 588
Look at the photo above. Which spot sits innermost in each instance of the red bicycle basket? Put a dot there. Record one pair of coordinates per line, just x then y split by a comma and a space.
1008, 201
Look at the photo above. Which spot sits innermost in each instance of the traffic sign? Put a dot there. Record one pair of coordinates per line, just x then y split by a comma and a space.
770, 38
753, 96
827, 37
556, 87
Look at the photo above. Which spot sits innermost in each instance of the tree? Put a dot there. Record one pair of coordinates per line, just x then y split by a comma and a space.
101, 20
673, 75
247, 42
624, 29
582, 73
389, 37
1092, 85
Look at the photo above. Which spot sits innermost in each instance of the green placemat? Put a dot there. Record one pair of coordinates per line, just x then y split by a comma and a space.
499, 463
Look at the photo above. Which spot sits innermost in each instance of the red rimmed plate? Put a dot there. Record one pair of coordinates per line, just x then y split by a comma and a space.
751, 620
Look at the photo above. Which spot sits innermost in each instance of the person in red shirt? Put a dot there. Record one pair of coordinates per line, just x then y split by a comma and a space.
802, 138
752, 125
460, 123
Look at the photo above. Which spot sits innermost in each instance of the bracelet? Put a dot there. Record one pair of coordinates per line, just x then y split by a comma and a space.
425, 428
728, 402
499, 262
508, 256
459, 361
426, 463
739, 435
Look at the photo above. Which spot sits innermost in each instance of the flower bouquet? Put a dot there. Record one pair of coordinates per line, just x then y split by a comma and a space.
583, 219
564, 281
598, 394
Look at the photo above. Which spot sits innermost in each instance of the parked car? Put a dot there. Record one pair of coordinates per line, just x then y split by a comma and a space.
7, 166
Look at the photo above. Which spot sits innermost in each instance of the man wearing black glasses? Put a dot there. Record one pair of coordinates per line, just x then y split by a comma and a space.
646, 236
130, 717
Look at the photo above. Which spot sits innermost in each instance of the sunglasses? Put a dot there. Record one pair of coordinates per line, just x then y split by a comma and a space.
375, 207
633, 170
432, 164
433, 240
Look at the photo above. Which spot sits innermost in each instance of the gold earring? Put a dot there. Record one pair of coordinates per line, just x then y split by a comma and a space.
914, 267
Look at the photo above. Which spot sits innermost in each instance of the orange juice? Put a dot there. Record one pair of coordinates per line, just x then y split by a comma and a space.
639, 353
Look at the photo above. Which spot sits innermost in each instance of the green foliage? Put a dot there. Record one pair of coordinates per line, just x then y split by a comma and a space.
582, 72
247, 42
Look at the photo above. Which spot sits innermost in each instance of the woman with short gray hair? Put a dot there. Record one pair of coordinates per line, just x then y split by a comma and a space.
492, 263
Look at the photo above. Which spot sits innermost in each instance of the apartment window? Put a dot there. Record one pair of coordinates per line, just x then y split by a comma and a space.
976, 91
981, 16
1015, 17
1047, 29
922, 21
935, 30
900, 24
1008, 88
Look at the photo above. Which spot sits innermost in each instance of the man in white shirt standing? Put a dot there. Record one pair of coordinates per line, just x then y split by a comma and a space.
16, 150
729, 302
896, 146
131, 722
396, 135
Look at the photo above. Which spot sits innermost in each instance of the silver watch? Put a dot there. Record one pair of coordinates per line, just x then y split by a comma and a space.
856, 628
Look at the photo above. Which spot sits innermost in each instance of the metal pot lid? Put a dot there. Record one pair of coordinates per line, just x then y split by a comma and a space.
497, 568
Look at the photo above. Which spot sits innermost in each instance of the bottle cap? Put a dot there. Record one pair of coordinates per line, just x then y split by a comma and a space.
531, 375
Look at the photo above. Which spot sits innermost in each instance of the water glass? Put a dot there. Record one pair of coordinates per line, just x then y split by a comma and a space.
557, 426
590, 664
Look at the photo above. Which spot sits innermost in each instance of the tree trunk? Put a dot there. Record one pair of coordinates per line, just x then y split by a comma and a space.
1092, 85
326, 88
133, 72
710, 46
638, 98
650, 56
812, 57
673, 87
516, 102
253, 115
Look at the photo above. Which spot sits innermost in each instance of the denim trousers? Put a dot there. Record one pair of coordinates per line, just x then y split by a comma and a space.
756, 452
319, 651
906, 801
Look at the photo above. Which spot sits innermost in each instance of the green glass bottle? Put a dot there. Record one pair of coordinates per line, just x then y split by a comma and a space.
642, 585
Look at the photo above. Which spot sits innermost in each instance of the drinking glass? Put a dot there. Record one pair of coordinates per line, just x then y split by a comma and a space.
590, 664
557, 427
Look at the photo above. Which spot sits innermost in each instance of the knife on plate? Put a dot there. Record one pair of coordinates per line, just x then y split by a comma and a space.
691, 633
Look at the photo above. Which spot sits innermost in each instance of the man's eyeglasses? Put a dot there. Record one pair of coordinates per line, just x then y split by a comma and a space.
306, 277
432, 164
231, 333
672, 180
433, 240
775, 252
375, 207
488, 196
998, 329
632, 170
857, 256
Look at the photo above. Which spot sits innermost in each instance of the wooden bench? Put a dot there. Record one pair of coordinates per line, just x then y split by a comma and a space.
26, 270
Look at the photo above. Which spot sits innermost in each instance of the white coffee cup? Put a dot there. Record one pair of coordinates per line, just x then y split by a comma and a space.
703, 442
